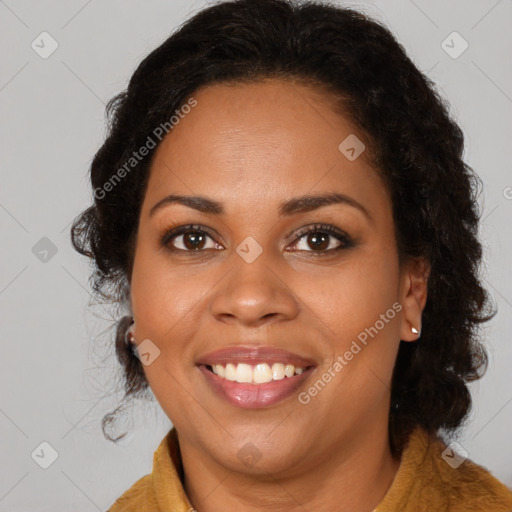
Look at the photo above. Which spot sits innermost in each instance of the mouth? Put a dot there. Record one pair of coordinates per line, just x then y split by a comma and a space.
255, 374
254, 377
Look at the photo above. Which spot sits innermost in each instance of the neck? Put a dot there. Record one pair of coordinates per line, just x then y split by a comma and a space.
354, 479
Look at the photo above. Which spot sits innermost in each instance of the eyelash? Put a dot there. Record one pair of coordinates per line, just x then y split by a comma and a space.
341, 236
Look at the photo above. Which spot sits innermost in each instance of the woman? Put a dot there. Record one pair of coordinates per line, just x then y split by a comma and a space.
282, 206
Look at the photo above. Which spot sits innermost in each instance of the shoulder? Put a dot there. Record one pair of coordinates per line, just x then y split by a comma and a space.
139, 497
471, 487
432, 476
162, 489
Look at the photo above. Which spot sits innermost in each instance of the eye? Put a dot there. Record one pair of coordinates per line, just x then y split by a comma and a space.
322, 238
189, 238
194, 238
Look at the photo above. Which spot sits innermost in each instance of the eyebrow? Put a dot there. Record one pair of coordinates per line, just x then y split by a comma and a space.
290, 207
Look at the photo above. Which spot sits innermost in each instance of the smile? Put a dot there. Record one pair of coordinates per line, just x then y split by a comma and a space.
254, 377
257, 374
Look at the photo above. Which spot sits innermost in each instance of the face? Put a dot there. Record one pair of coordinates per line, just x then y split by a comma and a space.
270, 319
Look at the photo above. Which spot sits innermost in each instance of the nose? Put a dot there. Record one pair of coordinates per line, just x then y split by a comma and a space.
253, 294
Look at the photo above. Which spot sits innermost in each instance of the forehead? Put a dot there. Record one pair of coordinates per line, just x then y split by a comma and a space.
264, 140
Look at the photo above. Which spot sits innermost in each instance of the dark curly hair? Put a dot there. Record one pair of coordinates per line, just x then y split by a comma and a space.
413, 142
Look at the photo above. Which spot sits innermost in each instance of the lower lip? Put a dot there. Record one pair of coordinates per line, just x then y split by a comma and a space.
254, 396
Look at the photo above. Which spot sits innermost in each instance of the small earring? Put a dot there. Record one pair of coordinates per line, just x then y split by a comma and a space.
415, 331
129, 339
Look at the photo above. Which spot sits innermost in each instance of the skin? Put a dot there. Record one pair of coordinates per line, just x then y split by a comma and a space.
251, 147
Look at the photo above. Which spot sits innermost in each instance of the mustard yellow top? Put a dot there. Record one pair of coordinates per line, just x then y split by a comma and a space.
425, 482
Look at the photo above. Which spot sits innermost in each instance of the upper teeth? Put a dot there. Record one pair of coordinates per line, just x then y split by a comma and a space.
257, 374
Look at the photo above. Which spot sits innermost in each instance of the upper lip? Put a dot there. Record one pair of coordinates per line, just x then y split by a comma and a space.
255, 354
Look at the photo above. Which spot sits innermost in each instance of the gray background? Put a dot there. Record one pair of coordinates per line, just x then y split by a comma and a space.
57, 372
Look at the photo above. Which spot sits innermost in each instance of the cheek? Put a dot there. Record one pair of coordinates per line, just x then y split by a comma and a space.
162, 300
358, 310
161, 294
352, 296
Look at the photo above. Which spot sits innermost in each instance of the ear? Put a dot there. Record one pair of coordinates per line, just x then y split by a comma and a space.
413, 296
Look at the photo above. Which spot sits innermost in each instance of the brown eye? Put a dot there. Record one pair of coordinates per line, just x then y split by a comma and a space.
318, 241
321, 239
189, 239
193, 240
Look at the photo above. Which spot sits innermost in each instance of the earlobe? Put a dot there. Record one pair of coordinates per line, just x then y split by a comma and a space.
129, 335
414, 297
